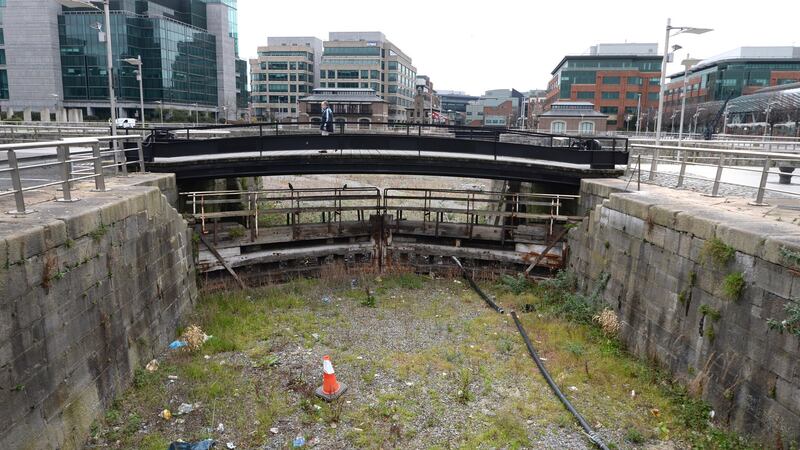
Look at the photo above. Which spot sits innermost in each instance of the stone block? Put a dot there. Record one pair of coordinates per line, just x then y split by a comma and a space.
773, 278
700, 223
775, 245
636, 204
750, 236
25, 243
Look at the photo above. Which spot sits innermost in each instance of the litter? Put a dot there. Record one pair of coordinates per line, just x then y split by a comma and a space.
202, 445
327, 299
315, 336
298, 442
165, 414
273, 430
186, 408
230, 445
194, 338
177, 344
573, 389
152, 366
220, 428
172, 377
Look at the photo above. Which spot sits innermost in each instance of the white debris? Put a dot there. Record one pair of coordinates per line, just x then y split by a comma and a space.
573, 389
220, 428
273, 430
230, 445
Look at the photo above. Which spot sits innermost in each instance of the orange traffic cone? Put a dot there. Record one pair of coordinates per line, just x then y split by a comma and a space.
330, 389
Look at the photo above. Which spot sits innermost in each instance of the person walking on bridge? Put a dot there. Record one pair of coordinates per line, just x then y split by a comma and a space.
327, 119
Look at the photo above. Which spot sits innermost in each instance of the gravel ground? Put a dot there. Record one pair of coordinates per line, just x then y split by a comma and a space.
703, 186
429, 366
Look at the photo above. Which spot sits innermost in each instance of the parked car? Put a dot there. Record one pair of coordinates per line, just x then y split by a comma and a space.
124, 122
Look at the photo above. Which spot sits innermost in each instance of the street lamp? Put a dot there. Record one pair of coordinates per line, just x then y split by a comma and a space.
55, 96
161, 110
138, 63
696, 116
687, 64
672, 123
664, 61
109, 58
638, 111
766, 119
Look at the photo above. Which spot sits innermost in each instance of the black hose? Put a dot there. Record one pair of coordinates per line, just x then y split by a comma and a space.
588, 429
475, 287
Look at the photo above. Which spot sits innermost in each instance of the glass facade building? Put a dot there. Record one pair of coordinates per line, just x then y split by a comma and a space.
179, 60
189, 51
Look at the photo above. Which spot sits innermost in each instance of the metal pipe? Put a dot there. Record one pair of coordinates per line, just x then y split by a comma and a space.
543, 370
474, 286
16, 183
99, 180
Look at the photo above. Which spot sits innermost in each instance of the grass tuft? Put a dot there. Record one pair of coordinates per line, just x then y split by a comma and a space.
733, 285
717, 252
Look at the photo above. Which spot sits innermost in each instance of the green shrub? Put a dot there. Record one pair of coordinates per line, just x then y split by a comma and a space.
717, 252
516, 285
733, 285
791, 324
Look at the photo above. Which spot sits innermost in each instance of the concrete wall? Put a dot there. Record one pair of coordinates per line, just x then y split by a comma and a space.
650, 245
89, 291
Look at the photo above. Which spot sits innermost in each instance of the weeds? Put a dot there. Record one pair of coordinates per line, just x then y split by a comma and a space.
607, 319
236, 233
98, 233
733, 285
791, 256
791, 324
516, 285
463, 380
717, 252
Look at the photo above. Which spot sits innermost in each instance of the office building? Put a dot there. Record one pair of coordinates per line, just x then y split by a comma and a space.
613, 77
189, 49
454, 105
356, 105
740, 71
284, 72
367, 60
427, 105
496, 108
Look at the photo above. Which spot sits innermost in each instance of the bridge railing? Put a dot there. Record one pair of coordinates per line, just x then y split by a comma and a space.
716, 167
497, 134
73, 160
258, 210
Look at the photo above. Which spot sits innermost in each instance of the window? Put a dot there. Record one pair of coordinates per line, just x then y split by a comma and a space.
655, 81
322, 74
347, 74
365, 74
392, 76
632, 95
610, 95
278, 77
635, 80
347, 85
331, 74
392, 65
652, 96
352, 51
373, 74
558, 127
609, 109
278, 66
586, 127
392, 89
278, 87
586, 95
610, 80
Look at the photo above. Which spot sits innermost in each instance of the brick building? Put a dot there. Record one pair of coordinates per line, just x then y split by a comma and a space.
612, 77
363, 106
572, 118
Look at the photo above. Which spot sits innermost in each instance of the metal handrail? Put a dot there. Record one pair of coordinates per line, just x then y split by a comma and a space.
64, 160
613, 143
686, 156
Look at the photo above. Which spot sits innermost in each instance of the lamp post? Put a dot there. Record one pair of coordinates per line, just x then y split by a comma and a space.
664, 61
138, 63
161, 110
672, 122
687, 64
696, 116
109, 57
55, 96
638, 111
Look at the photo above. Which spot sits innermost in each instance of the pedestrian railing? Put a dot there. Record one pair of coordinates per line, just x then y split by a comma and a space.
74, 160
651, 159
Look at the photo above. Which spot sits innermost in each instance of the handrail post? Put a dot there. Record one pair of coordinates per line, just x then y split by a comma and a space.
653, 165
717, 177
99, 177
762, 186
682, 173
16, 183
64, 161
140, 150
123, 159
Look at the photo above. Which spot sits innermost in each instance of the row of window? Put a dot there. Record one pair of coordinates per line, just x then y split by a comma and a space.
277, 76
283, 87
350, 74
615, 95
560, 127
308, 55
286, 65
275, 99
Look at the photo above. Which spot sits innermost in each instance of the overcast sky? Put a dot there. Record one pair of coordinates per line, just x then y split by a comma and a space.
474, 46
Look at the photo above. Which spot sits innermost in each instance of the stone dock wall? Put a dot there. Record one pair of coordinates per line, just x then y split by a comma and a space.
669, 292
89, 292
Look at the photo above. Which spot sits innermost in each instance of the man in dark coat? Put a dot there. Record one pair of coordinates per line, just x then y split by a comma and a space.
327, 119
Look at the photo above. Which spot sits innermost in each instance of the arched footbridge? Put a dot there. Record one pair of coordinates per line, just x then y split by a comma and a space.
264, 149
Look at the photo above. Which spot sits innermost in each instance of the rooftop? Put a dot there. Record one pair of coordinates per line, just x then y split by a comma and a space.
779, 53
343, 95
570, 109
